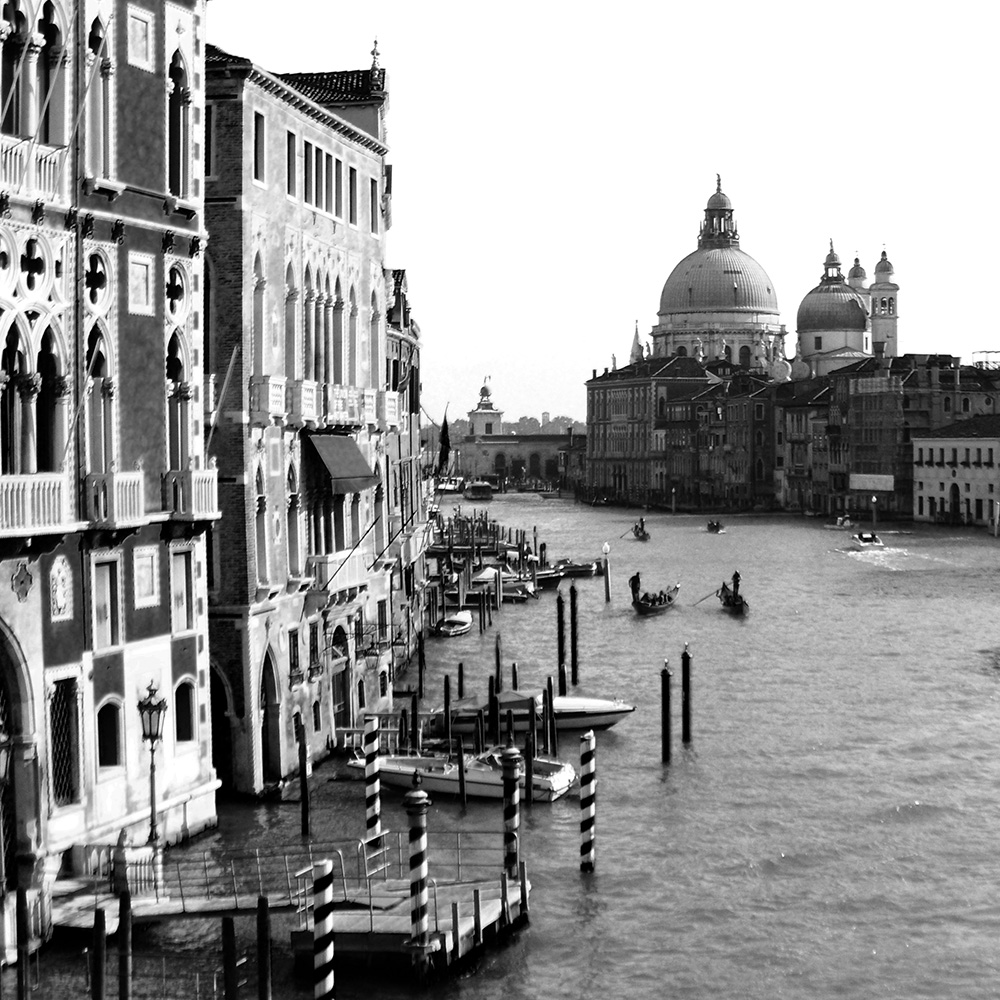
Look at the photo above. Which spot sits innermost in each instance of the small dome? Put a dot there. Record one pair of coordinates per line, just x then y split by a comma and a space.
884, 266
857, 271
485, 393
832, 259
832, 306
719, 201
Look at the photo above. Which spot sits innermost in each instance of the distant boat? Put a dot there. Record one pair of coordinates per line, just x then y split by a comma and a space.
866, 540
657, 603
841, 524
478, 490
716, 528
570, 567
450, 484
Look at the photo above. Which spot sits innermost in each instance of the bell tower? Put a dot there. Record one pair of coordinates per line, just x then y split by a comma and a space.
885, 309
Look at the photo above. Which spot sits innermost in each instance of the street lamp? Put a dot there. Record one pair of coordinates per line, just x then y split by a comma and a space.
874, 511
673, 499
606, 548
151, 712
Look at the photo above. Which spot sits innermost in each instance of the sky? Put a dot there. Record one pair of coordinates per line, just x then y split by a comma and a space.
552, 161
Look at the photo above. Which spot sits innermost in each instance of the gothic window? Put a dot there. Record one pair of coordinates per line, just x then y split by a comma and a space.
966, 404
308, 330
258, 317
100, 405
109, 743
373, 344
319, 332
352, 342
98, 102
178, 129
64, 732
260, 521
50, 80
338, 335
292, 526
317, 717
178, 406
291, 338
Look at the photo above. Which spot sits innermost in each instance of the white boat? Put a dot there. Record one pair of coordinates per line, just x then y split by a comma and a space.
479, 490
438, 773
572, 712
841, 524
867, 540
450, 484
455, 623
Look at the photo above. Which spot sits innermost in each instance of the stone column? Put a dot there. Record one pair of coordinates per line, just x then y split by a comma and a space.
28, 387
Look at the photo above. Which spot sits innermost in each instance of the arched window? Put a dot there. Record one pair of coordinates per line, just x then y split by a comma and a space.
892, 306
109, 744
966, 404
258, 316
682, 352
319, 334
98, 121
184, 712
12, 410
291, 333
317, 718
261, 528
352, 341
101, 405
308, 332
292, 526
383, 683
744, 357
50, 76
178, 404
361, 695
178, 129
338, 336
374, 362
11, 76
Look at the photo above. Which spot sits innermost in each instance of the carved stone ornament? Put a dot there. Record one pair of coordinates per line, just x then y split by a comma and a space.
118, 231
167, 244
61, 589
21, 581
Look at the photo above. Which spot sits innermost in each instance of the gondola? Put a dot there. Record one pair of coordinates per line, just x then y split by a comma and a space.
715, 528
730, 597
656, 604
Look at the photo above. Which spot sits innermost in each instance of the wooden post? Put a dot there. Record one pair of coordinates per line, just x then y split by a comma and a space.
560, 632
588, 800
447, 711
529, 765
404, 730
480, 744
303, 779
98, 956
416, 804
415, 722
553, 737
513, 676
456, 934
685, 695
510, 727
546, 728
511, 762
263, 949
420, 679
607, 573
125, 946
461, 681
523, 874
665, 712
477, 916
498, 668
23, 942
323, 939
573, 658
562, 679
373, 789
492, 731
230, 969
462, 792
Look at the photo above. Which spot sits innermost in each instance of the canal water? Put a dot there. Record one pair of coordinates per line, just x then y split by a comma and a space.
829, 833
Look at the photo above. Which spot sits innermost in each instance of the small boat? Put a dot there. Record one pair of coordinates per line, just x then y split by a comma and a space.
716, 528
841, 524
479, 490
655, 604
455, 623
867, 540
731, 598
439, 773
549, 577
571, 712
570, 567
640, 534
450, 484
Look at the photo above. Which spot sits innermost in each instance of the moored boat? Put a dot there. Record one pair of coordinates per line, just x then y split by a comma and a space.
440, 774
655, 604
841, 524
569, 711
571, 567
455, 623
478, 490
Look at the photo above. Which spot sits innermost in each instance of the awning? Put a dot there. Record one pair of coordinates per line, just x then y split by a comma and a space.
349, 472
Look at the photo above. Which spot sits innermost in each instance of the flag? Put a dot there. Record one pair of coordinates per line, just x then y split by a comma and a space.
445, 451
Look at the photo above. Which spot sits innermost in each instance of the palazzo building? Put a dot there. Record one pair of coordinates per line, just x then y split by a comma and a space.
105, 494
315, 582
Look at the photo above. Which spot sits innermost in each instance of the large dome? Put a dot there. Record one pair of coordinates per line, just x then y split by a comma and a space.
718, 279
832, 307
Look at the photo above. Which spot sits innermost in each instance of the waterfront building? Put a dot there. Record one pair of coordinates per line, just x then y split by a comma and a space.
315, 415
955, 476
105, 494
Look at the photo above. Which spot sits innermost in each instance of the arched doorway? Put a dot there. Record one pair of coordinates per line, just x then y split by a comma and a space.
954, 504
270, 722
222, 733
18, 801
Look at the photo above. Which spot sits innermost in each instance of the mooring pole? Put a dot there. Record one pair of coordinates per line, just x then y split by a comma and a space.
98, 957
230, 968
415, 722
510, 761
263, 949
560, 632
665, 712
529, 765
685, 695
323, 942
553, 740
498, 669
447, 711
513, 676
461, 681
303, 779
573, 658
416, 804
462, 793
606, 549
588, 800
125, 946
373, 804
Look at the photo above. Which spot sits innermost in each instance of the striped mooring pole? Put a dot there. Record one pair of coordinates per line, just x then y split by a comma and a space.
323, 930
416, 804
510, 761
373, 805
588, 800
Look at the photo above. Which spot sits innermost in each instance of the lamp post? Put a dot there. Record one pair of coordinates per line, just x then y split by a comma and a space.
874, 512
151, 712
606, 548
673, 499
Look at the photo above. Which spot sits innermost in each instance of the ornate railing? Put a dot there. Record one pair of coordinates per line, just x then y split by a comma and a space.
193, 494
33, 503
344, 405
338, 570
388, 410
32, 170
301, 402
267, 398
113, 498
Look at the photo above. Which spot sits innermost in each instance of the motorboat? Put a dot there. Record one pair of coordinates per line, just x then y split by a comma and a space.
655, 604
440, 774
866, 540
450, 484
715, 528
478, 490
571, 712
841, 524
572, 567
455, 623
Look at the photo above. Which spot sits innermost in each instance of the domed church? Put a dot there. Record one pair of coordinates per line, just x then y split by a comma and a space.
719, 303
842, 320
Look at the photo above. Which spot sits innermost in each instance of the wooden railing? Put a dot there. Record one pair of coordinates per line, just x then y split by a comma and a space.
33, 503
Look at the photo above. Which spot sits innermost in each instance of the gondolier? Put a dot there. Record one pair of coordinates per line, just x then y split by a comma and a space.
634, 584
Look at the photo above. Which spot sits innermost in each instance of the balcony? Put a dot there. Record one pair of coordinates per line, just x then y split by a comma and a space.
301, 403
115, 499
388, 410
344, 406
34, 503
370, 404
336, 572
192, 495
33, 169
267, 399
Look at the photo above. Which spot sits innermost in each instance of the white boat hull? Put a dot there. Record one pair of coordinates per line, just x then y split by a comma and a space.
571, 713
